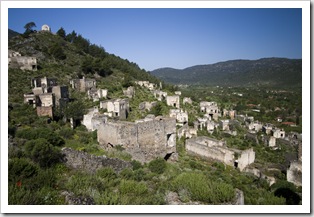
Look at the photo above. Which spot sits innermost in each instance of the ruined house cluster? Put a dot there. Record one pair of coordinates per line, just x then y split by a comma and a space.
152, 136
46, 96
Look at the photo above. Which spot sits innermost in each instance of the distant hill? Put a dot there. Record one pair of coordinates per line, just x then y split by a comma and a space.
12, 33
262, 72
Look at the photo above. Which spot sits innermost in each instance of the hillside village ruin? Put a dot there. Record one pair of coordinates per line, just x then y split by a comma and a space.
156, 137
153, 137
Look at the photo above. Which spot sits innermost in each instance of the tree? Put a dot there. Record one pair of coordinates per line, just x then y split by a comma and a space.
57, 51
75, 110
61, 33
29, 28
71, 36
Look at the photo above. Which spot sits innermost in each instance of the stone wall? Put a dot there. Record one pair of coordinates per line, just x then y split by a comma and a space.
91, 163
246, 158
210, 148
217, 150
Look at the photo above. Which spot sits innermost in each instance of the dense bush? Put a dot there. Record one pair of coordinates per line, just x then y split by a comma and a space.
202, 189
157, 166
36, 133
42, 152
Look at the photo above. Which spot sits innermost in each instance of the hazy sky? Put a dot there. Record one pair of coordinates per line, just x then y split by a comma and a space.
178, 38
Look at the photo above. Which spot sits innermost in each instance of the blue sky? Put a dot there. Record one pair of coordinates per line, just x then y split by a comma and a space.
177, 38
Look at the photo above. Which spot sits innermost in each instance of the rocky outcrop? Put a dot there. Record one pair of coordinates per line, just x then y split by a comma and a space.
71, 199
90, 163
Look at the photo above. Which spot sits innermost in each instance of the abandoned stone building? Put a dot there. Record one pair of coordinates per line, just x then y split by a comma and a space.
177, 93
180, 115
45, 28
245, 118
83, 84
278, 133
17, 61
129, 92
186, 132
224, 125
173, 101
96, 94
229, 113
93, 119
187, 100
118, 108
255, 126
217, 150
205, 122
147, 84
46, 95
43, 85
267, 128
147, 105
160, 95
145, 139
210, 108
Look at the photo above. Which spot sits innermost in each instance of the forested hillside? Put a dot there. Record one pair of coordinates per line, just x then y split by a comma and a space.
270, 72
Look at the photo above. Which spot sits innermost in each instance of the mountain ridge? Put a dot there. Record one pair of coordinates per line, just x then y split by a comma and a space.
265, 71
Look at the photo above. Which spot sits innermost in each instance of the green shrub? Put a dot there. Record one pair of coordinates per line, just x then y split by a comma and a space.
127, 173
42, 152
45, 133
157, 166
20, 169
201, 188
136, 165
130, 187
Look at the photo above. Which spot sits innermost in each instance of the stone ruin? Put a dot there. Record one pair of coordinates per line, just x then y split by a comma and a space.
181, 116
84, 84
229, 113
97, 94
116, 108
187, 100
147, 105
144, 139
217, 150
160, 95
93, 119
173, 101
294, 172
255, 126
147, 84
17, 61
46, 95
186, 132
210, 108
129, 92
224, 125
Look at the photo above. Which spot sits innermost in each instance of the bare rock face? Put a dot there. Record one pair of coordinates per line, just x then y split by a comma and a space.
90, 163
